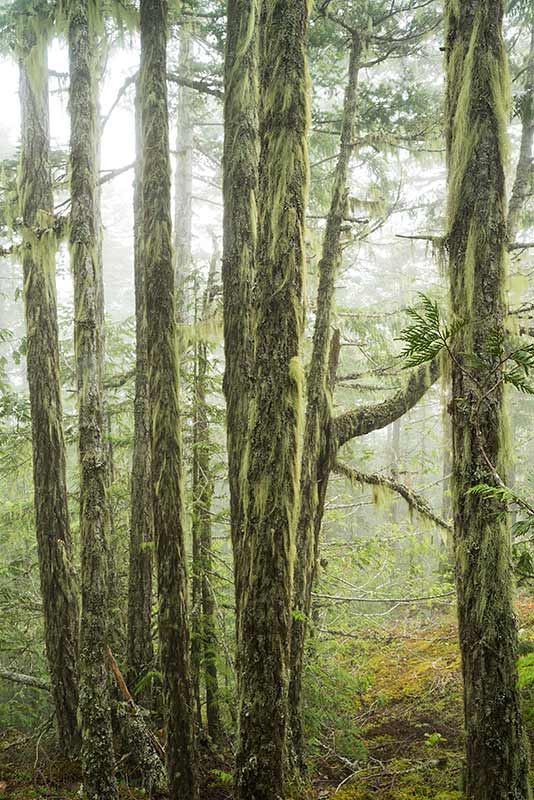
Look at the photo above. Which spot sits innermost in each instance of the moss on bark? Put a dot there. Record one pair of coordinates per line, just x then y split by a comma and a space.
273, 448
97, 741
58, 582
163, 379
477, 116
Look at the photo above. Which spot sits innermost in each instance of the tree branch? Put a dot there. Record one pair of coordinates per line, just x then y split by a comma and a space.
365, 419
25, 680
415, 501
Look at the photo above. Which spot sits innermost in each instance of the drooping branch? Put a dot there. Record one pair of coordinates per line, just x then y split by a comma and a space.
365, 419
415, 501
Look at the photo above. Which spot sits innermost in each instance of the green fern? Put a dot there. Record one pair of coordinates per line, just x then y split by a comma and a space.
426, 337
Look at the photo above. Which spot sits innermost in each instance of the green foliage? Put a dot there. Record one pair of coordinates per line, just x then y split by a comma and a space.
427, 336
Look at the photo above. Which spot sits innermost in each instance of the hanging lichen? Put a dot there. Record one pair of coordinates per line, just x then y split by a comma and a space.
58, 584
477, 115
275, 414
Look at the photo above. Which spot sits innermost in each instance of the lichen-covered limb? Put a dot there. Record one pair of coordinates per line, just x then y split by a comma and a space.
365, 419
477, 117
163, 378
58, 582
98, 761
273, 447
416, 502
24, 680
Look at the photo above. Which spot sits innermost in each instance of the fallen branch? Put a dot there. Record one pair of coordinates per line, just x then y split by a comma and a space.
24, 680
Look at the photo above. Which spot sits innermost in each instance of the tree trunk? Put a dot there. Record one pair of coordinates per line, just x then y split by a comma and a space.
163, 375
523, 176
203, 499
477, 116
58, 583
275, 416
316, 458
183, 181
140, 647
97, 743
240, 187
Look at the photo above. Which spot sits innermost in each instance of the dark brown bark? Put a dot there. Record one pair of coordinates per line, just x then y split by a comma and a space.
97, 742
58, 583
163, 383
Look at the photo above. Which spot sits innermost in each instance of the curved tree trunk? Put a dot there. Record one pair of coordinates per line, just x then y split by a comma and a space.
477, 116
140, 647
163, 386
275, 415
58, 584
317, 452
97, 742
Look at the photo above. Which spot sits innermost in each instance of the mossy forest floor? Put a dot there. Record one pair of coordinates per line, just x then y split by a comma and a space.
384, 716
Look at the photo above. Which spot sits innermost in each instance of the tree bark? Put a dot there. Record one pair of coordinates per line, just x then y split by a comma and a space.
163, 380
477, 116
54, 542
140, 647
98, 761
275, 415
240, 188
317, 441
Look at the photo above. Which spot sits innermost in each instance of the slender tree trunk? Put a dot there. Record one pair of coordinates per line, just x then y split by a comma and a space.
240, 187
198, 480
163, 386
275, 416
140, 647
58, 584
524, 170
203, 499
477, 116
317, 455
183, 182
97, 742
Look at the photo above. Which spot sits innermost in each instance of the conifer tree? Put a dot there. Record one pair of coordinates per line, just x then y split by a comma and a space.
58, 585
97, 741
163, 386
273, 452
477, 117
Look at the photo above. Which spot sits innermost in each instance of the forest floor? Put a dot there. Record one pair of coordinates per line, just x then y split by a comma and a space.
385, 723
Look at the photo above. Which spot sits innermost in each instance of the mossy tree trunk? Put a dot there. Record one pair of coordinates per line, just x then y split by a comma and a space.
140, 648
522, 187
163, 383
183, 179
97, 742
240, 187
317, 457
58, 584
275, 414
202, 499
477, 116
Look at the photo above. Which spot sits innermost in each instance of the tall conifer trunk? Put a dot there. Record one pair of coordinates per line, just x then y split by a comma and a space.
58, 585
97, 741
140, 648
477, 116
163, 386
275, 417
240, 187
